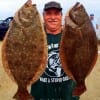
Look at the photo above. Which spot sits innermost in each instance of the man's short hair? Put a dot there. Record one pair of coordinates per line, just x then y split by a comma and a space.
52, 4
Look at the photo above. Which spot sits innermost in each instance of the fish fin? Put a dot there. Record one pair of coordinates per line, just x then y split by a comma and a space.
79, 89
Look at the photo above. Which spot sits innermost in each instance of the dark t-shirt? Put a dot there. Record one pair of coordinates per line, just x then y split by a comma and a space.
53, 84
54, 72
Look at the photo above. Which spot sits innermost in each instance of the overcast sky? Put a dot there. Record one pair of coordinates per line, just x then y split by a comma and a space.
9, 7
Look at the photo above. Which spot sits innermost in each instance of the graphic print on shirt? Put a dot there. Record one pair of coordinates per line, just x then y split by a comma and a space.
54, 72
54, 66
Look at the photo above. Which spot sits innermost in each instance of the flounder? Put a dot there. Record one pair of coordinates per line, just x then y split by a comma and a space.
78, 47
24, 50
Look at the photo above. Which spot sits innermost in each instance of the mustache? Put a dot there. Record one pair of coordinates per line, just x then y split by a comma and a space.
52, 20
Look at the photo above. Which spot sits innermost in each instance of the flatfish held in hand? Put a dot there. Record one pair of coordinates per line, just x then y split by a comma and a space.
78, 47
24, 50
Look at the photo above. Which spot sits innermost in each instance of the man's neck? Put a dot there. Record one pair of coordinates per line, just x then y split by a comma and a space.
54, 31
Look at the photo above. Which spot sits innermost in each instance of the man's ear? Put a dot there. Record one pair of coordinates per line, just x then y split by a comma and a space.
61, 13
43, 13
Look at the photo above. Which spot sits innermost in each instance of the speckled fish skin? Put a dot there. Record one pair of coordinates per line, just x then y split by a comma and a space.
78, 47
24, 50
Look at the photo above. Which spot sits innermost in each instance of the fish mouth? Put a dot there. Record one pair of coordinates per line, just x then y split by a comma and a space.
25, 16
77, 5
78, 14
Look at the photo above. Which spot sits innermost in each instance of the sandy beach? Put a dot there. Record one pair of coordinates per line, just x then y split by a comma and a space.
8, 88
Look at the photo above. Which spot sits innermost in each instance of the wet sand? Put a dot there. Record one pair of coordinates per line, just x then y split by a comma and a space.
8, 88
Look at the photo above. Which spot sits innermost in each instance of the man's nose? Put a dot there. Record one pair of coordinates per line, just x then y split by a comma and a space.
53, 16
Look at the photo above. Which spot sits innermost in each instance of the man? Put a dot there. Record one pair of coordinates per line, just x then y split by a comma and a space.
54, 84
94, 22
96, 25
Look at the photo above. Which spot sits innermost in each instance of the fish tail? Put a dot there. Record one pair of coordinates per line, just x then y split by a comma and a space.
22, 94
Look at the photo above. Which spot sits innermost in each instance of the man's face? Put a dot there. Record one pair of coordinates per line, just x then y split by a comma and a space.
52, 19
91, 17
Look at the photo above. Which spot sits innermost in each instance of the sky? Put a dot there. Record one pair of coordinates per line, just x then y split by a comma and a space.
9, 7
